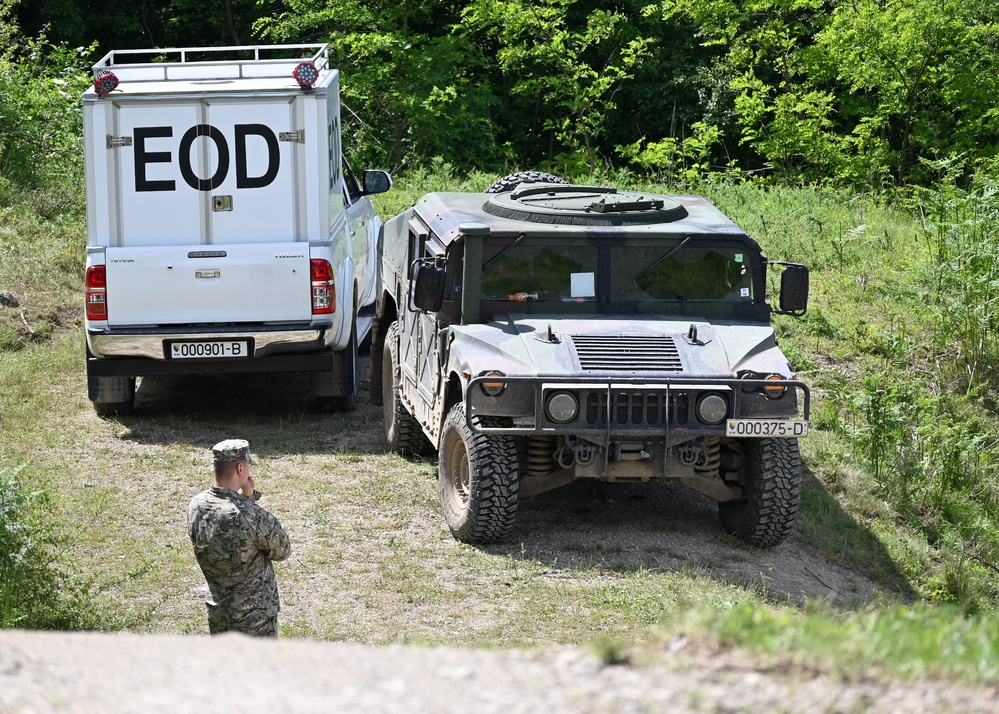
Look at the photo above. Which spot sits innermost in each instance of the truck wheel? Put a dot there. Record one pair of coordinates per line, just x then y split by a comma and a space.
508, 183
113, 396
402, 432
479, 479
336, 380
767, 514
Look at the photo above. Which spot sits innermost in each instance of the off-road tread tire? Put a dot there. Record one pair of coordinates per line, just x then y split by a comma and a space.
488, 514
768, 514
403, 433
508, 183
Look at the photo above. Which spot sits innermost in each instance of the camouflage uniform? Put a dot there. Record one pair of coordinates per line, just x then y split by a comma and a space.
235, 541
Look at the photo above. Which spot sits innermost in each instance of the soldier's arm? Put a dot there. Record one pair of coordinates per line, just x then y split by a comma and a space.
271, 537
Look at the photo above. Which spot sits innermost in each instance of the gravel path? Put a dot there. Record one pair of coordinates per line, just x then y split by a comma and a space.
84, 673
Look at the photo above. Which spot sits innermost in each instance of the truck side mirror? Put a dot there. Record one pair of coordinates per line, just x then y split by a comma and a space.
793, 290
428, 286
376, 181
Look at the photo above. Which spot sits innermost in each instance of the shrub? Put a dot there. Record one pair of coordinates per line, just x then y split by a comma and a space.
35, 592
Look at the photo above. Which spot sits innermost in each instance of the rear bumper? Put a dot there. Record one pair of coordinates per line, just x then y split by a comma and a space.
144, 352
142, 367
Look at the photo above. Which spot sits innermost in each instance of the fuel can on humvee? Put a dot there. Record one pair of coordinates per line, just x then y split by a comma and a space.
554, 332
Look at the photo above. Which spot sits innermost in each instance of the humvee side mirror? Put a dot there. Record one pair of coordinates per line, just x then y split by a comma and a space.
376, 181
428, 286
793, 290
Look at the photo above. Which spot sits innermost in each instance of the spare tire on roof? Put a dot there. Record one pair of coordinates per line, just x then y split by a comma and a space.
508, 183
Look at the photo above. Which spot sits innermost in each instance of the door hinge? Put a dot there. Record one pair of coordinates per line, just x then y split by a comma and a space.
295, 137
116, 142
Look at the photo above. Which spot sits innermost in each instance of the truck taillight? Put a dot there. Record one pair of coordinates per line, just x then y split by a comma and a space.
323, 292
96, 293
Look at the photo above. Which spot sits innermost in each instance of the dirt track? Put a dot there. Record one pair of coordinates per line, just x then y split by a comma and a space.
117, 674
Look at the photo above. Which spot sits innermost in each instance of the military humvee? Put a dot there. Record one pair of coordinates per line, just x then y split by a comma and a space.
553, 332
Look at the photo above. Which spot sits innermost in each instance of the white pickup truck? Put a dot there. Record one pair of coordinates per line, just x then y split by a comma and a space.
226, 232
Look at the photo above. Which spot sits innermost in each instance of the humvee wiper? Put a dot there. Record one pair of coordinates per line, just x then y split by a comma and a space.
671, 252
505, 248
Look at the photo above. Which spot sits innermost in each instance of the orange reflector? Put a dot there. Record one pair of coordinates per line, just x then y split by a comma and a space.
775, 390
493, 387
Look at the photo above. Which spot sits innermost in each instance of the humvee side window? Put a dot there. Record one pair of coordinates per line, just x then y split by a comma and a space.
690, 273
542, 272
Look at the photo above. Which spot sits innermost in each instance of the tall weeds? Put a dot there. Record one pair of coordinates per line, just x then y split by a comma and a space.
35, 591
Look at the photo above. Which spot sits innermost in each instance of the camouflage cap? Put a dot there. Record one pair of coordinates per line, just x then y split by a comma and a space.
232, 450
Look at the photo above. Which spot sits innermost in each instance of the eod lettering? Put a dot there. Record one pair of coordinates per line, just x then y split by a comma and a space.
243, 134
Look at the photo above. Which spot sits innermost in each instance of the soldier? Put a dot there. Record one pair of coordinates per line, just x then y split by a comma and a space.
235, 541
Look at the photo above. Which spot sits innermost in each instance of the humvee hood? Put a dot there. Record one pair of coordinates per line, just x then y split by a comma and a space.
555, 346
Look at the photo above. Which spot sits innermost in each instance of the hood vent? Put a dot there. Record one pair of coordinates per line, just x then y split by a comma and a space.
620, 353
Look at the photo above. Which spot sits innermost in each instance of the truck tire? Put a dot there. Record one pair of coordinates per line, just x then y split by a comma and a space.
325, 382
403, 433
479, 480
113, 396
508, 183
767, 514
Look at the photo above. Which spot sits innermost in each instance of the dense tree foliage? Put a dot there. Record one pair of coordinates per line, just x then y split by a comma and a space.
852, 92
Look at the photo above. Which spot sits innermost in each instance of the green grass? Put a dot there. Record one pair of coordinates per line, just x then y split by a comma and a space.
916, 642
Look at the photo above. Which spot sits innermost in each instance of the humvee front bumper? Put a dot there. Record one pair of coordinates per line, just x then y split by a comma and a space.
604, 410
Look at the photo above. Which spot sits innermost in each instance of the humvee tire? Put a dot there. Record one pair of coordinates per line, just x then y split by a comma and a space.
508, 183
479, 479
773, 494
402, 432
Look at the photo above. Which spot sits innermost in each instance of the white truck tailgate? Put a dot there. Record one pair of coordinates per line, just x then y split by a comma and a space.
198, 284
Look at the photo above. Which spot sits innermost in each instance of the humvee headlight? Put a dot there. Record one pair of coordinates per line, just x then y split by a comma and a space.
562, 407
493, 387
711, 408
774, 391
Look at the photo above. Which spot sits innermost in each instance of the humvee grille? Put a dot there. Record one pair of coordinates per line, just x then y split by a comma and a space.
620, 352
638, 409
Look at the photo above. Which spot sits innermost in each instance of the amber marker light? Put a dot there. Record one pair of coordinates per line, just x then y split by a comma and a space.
493, 387
773, 391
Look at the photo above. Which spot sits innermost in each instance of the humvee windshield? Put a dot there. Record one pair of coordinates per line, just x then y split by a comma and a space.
630, 275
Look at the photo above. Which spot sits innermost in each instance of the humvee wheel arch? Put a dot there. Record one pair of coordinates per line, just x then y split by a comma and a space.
402, 432
479, 480
773, 494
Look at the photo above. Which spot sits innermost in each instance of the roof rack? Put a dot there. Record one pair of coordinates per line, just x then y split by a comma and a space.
206, 63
